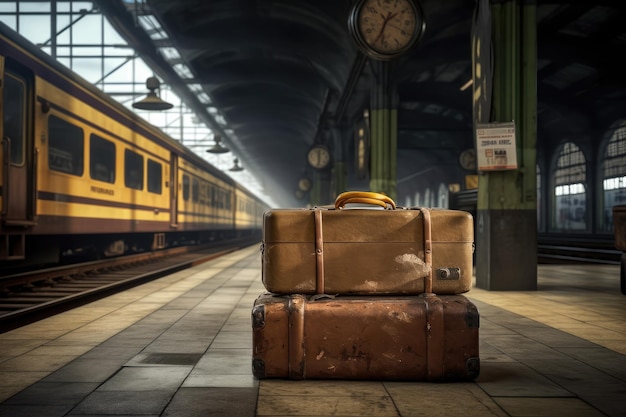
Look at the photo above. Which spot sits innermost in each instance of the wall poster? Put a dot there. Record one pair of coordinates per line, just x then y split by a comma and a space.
496, 147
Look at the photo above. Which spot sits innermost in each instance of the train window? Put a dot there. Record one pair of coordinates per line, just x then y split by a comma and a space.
133, 170
101, 159
203, 193
155, 176
186, 187
14, 116
195, 190
220, 198
65, 146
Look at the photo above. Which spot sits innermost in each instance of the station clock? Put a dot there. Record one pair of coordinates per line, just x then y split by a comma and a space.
386, 29
318, 157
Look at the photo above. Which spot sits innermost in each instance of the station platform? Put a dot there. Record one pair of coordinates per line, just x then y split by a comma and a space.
181, 346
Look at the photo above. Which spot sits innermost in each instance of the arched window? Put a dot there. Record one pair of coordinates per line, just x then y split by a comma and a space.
442, 196
417, 200
428, 199
570, 209
614, 178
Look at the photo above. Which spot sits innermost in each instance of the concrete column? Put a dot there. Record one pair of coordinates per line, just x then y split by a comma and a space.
339, 181
506, 224
383, 130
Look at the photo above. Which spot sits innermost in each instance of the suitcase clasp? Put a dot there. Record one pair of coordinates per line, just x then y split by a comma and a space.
449, 274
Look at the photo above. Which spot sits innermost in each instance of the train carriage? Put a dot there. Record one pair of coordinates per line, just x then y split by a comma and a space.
81, 174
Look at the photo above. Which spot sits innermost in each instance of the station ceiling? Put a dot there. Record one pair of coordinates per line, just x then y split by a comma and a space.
285, 74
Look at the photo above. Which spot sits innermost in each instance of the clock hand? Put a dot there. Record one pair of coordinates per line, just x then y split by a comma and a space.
382, 28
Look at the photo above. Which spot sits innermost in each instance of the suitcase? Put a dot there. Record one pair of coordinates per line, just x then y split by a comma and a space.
424, 337
339, 250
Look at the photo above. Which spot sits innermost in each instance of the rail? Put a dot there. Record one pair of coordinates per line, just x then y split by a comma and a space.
26, 298
566, 248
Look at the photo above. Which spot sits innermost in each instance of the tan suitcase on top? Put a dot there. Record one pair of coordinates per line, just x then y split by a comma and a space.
366, 251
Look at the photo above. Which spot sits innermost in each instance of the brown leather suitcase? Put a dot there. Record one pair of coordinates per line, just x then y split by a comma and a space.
420, 338
340, 250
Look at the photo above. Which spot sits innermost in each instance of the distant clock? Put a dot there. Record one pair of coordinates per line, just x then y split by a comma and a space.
386, 29
467, 159
318, 157
304, 184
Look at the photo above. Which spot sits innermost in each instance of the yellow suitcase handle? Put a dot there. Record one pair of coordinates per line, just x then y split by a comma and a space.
364, 197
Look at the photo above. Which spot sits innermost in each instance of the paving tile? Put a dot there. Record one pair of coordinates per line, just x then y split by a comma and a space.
105, 351
86, 370
20, 378
511, 379
124, 402
233, 340
225, 362
7, 392
442, 400
203, 380
610, 403
214, 402
327, 405
149, 378
318, 388
547, 407
149, 358
14, 347
35, 363
52, 393
34, 410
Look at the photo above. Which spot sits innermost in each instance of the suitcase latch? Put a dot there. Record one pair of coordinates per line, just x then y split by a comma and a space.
449, 273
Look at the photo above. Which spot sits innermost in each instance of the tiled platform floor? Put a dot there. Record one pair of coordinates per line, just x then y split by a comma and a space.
181, 347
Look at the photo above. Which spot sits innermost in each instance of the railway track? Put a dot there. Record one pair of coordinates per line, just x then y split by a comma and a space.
29, 297
577, 249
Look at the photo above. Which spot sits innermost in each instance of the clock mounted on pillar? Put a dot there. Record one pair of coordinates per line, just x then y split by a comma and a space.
386, 29
318, 157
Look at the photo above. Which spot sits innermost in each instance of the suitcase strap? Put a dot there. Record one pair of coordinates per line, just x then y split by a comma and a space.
428, 250
319, 251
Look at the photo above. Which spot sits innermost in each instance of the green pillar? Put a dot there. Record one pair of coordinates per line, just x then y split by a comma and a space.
314, 193
320, 194
506, 224
383, 131
338, 177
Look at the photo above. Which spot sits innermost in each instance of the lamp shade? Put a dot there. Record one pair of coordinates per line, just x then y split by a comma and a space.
152, 100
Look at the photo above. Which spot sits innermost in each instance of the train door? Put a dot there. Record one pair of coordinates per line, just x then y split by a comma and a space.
174, 190
17, 187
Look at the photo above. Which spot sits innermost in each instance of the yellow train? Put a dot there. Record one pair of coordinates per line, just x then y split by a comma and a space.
83, 174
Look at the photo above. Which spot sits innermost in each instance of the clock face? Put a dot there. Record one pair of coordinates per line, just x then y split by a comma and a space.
318, 157
387, 28
468, 159
304, 184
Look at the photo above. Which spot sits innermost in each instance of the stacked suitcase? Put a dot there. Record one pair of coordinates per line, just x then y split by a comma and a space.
366, 294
